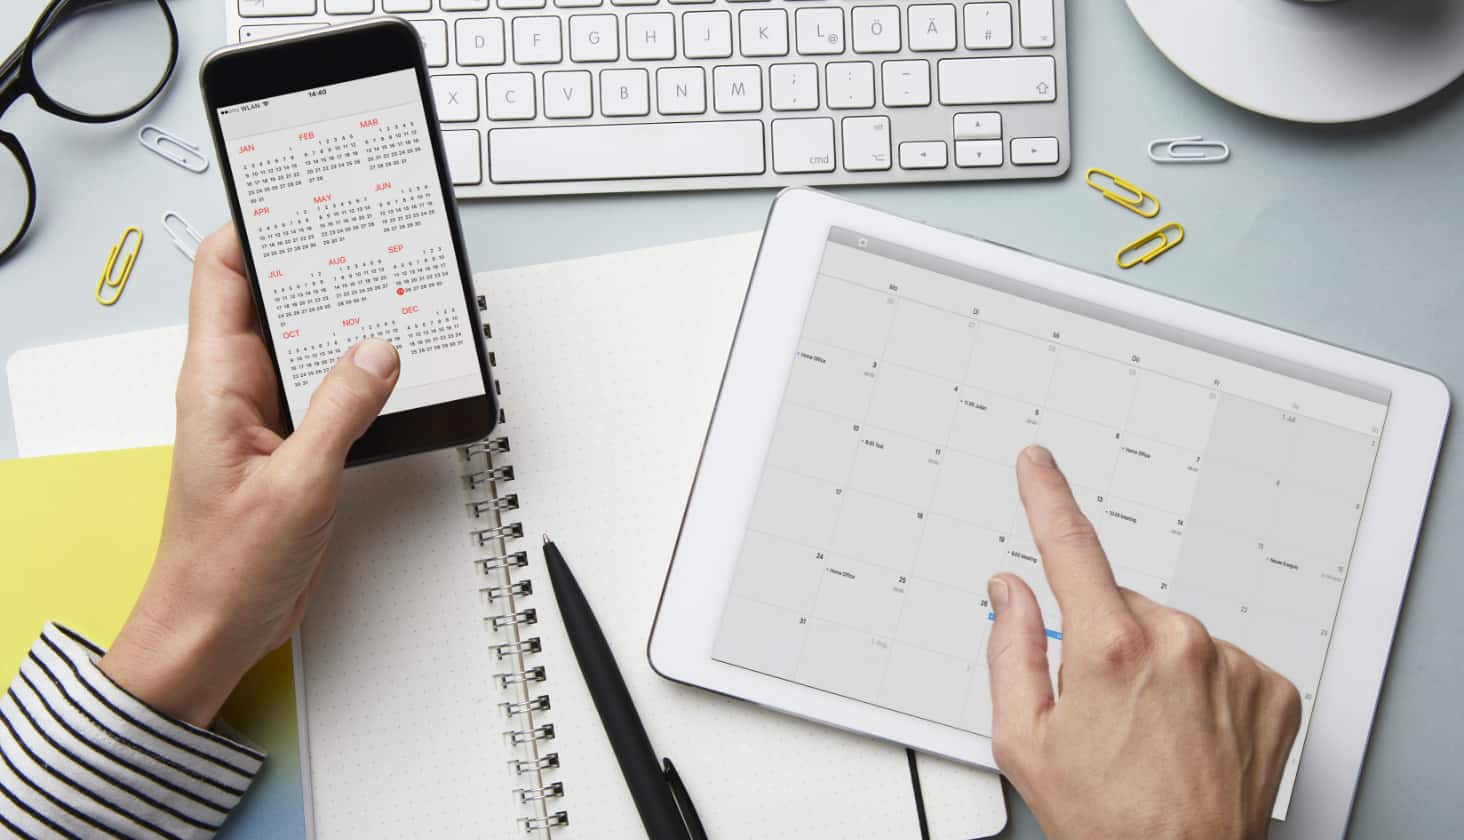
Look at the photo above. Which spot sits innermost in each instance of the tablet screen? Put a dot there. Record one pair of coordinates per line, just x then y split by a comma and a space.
1222, 482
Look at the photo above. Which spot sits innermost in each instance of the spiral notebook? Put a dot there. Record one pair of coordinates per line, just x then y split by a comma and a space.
440, 695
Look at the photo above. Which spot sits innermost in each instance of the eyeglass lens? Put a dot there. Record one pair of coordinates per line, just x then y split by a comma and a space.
103, 58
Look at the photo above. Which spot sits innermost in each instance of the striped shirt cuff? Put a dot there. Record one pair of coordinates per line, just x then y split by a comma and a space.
80, 757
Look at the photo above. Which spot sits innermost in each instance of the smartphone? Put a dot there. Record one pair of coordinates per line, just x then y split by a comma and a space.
340, 191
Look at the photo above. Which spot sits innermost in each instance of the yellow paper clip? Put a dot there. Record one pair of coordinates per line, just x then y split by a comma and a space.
1161, 234
1129, 196
119, 280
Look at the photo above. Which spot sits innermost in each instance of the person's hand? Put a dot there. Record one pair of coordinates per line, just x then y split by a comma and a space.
1158, 730
249, 514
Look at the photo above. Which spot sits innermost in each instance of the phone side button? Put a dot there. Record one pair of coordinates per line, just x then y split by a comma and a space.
464, 156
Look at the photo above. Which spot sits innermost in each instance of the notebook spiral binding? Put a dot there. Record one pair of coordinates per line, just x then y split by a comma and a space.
509, 622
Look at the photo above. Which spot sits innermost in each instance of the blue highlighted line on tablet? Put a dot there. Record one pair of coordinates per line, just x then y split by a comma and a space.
1051, 634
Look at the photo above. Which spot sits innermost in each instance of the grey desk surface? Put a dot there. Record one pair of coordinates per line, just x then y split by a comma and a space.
1346, 234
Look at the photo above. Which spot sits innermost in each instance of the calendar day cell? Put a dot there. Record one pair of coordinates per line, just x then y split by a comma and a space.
778, 572
877, 530
1224, 616
1217, 561
942, 619
976, 490
993, 426
930, 340
1239, 498
894, 466
1333, 458
796, 507
976, 710
860, 595
956, 553
1292, 583
814, 443
1295, 647
1012, 364
927, 684
843, 661
760, 636
1319, 523
1085, 451
1173, 411
1091, 503
849, 316
833, 380
1140, 537
913, 404
1251, 435
1155, 474
1091, 387
1021, 559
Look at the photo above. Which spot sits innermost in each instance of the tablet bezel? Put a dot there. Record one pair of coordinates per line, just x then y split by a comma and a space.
751, 394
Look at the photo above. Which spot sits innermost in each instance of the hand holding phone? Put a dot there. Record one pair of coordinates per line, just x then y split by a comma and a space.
341, 196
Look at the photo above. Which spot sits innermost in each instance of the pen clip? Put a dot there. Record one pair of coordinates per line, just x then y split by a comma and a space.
694, 828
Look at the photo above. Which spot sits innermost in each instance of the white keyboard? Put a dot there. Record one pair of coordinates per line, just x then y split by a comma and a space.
543, 97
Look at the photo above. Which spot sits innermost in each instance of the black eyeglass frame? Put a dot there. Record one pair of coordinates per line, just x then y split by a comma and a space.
18, 78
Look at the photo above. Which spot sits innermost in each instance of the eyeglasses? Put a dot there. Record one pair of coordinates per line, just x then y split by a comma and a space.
89, 61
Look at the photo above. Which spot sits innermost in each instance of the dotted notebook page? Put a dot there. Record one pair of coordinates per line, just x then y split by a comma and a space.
609, 369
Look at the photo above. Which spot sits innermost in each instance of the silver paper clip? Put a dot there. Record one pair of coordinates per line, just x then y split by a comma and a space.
184, 237
1188, 150
172, 148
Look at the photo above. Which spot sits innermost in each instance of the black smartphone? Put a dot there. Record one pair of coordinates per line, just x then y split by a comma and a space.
340, 191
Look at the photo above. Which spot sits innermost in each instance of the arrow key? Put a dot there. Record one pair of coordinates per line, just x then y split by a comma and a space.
1034, 151
925, 154
978, 153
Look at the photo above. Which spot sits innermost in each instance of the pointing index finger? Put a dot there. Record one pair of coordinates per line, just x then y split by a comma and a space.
1077, 569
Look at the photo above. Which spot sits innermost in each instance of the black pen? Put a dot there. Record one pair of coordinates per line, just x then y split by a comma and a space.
660, 797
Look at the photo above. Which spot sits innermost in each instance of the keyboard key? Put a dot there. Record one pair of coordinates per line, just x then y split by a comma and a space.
906, 83
866, 143
394, 6
577, 4
278, 8
985, 126
464, 156
803, 145
456, 97
479, 41
462, 6
1033, 151
510, 96
978, 81
737, 89
634, 2
536, 40
681, 90
625, 93
520, 4
763, 32
988, 26
260, 31
351, 7
1036, 24
793, 87
876, 29
689, 2
932, 27
567, 94
820, 31
434, 40
650, 36
593, 38
925, 154
850, 84
645, 150
978, 153
706, 34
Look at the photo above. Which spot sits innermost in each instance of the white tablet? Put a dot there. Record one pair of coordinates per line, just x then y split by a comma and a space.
857, 488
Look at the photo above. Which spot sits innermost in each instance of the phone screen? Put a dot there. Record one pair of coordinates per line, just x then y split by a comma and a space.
348, 233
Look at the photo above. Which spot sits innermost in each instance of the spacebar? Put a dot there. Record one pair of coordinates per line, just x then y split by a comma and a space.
639, 150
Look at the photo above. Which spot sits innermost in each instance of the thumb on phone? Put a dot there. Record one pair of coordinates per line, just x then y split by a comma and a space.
343, 407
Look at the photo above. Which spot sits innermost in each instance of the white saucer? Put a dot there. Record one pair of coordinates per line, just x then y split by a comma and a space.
1311, 62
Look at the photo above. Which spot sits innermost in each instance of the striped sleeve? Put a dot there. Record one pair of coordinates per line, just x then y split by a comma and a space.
80, 757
